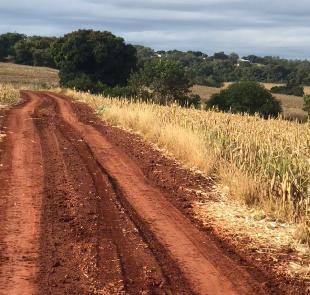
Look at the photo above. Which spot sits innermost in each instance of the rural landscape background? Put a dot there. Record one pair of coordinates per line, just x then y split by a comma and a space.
211, 148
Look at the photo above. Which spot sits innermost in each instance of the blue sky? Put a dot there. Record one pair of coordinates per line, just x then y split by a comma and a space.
278, 27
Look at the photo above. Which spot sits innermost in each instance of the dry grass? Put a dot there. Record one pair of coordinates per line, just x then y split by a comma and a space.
307, 90
257, 233
292, 105
264, 163
8, 95
28, 77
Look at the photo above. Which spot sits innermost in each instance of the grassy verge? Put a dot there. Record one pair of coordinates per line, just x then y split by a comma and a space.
8, 95
262, 163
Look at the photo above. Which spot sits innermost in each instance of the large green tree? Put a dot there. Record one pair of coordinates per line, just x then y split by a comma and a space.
164, 82
246, 97
94, 57
35, 51
7, 42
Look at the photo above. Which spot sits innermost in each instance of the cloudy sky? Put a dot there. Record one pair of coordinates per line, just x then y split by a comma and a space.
263, 27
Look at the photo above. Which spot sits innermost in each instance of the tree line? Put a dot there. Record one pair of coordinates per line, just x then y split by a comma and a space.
220, 67
202, 69
101, 62
27, 50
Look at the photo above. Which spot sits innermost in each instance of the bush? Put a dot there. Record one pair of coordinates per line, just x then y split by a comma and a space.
81, 83
164, 82
306, 107
7, 42
34, 51
246, 97
209, 81
118, 91
289, 90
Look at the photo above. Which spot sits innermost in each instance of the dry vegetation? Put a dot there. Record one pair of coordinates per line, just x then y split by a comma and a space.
28, 77
8, 95
292, 105
263, 163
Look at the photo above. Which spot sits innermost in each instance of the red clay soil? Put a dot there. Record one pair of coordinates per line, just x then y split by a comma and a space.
81, 213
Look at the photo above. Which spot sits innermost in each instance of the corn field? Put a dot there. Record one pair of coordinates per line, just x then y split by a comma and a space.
269, 159
8, 94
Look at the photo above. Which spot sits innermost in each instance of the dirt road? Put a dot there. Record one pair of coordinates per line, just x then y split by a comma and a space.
79, 216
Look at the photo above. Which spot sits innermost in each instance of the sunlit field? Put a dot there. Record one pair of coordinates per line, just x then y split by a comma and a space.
28, 77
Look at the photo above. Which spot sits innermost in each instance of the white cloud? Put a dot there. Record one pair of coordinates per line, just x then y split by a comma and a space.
246, 26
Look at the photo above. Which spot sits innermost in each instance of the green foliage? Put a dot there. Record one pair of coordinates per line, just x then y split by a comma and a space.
306, 107
7, 42
81, 82
90, 50
289, 90
164, 82
246, 97
100, 56
144, 54
213, 70
220, 55
34, 51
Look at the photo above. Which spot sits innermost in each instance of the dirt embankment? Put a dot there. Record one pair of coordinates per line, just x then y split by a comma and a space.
81, 216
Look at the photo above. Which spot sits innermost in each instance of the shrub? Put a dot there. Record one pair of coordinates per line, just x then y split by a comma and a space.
81, 82
34, 51
289, 90
306, 107
246, 97
164, 82
7, 42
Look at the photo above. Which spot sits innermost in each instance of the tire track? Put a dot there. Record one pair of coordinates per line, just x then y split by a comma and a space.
21, 184
119, 262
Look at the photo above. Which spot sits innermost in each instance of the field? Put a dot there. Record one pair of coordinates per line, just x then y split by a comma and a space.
292, 105
28, 77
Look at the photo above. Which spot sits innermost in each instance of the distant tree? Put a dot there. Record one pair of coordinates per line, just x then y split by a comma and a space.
306, 107
246, 97
164, 82
220, 55
7, 42
198, 53
144, 54
100, 56
23, 52
161, 52
35, 51
289, 89
234, 57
